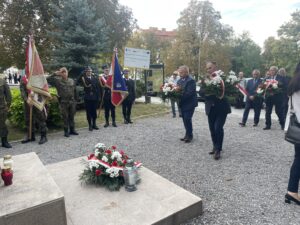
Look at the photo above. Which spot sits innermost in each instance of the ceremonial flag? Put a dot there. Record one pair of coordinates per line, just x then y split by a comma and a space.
36, 81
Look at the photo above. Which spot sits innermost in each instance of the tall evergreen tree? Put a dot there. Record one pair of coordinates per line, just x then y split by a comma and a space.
80, 36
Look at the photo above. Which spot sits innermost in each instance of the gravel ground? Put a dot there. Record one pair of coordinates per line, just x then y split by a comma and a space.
246, 186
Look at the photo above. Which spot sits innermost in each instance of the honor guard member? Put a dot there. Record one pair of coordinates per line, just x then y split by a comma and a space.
5, 101
65, 87
108, 106
92, 94
38, 117
129, 100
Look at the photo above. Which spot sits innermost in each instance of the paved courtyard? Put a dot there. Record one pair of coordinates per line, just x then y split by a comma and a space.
246, 186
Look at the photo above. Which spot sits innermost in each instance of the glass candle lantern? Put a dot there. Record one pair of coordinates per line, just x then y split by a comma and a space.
8, 162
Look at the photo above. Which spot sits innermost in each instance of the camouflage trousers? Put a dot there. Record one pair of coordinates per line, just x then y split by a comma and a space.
38, 119
68, 111
3, 127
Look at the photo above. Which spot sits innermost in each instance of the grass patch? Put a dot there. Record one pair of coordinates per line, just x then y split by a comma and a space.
138, 110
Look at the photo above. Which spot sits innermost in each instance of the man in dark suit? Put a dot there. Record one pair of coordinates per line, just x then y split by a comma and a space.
276, 99
253, 100
187, 102
92, 94
216, 108
129, 100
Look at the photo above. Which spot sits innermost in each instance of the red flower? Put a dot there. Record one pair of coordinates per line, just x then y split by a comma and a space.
90, 156
98, 172
113, 147
122, 152
108, 151
114, 163
124, 161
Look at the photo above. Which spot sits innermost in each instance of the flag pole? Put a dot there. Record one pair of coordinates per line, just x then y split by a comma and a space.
30, 123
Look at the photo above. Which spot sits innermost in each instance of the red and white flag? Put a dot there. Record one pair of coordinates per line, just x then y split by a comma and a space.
242, 90
37, 83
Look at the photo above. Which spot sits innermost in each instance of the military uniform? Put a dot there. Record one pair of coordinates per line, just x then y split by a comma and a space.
38, 117
92, 94
5, 101
66, 98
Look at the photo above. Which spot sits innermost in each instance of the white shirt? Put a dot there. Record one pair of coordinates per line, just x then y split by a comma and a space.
296, 105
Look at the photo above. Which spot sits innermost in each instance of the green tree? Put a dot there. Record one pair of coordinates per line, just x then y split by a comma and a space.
201, 35
245, 54
18, 17
80, 35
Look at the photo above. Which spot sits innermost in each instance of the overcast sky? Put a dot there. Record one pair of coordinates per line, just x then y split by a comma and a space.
262, 18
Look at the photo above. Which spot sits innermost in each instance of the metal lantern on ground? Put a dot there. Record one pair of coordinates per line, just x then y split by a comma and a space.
130, 172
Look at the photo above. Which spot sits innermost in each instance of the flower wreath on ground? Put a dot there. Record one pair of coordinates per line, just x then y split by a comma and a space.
170, 91
105, 167
220, 85
269, 88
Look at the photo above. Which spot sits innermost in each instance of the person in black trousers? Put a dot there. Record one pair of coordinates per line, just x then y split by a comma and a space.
276, 99
92, 96
294, 94
216, 108
107, 104
253, 100
129, 100
187, 102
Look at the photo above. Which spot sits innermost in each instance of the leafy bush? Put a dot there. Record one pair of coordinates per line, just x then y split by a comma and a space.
140, 88
16, 112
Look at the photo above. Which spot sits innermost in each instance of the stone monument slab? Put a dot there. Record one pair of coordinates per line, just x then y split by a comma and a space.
157, 200
33, 198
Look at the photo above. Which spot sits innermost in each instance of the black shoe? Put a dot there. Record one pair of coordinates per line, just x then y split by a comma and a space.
129, 121
26, 141
212, 152
73, 132
267, 128
183, 139
43, 140
90, 128
242, 124
106, 124
66, 134
114, 124
95, 127
5, 143
217, 155
289, 199
188, 140
125, 122
255, 125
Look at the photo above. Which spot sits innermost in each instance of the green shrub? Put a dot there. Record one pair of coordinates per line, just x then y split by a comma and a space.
16, 112
140, 88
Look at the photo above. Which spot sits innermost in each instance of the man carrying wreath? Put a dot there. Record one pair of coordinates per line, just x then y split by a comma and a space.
216, 108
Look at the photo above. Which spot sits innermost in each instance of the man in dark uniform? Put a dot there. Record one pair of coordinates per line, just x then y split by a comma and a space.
129, 100
66, 97
5, 101
276, 99
92, 96
108, 106
38, 117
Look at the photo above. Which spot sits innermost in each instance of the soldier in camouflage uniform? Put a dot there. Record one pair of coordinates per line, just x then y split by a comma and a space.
5, 101
66, 96
38, 117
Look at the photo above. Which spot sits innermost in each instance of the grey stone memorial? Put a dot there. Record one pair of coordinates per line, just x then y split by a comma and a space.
156, 201
33, 198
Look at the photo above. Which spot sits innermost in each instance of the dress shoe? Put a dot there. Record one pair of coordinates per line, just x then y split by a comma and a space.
183, 139
267, 128
114, 124
188, 140
95, 127
217, 155
129, 121
90, 128
125, 122
212, 152
106, 124
242, 124
73, 131
255, 125
289, 199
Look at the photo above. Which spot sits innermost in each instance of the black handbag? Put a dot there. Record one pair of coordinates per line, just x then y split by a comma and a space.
293, 133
